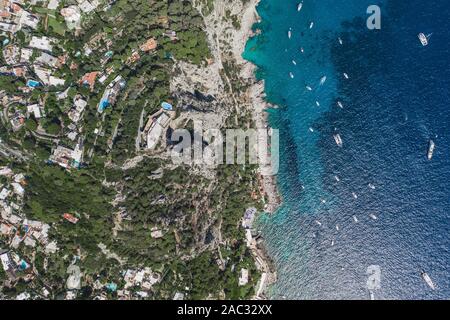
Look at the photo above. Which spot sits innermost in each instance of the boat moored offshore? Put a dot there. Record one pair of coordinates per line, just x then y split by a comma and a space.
423, 39
338, 139
428, 280
431, 148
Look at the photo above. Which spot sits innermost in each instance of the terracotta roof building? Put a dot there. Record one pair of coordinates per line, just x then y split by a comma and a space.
89, 79
150, 45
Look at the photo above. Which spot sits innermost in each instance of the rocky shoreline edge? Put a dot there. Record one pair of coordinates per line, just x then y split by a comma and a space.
268, 183
229, 26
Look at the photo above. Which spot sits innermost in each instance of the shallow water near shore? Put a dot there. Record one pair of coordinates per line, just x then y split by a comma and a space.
395, 100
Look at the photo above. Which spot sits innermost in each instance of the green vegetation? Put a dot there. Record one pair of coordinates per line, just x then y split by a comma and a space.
56, 26
120, 208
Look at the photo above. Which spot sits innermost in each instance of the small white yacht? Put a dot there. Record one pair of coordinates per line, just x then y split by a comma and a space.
311, 129
423, 38
299, 7
340, 105
338, 139
337, 178
308, 88
318, 103
355, 219
302, 50
431, 148
311, 25
291, 75
374, 217
345, 75
337, 227
340, 41
428, 280
354, 195
294, 62
323, 79
290, 33
319, 223
371, 186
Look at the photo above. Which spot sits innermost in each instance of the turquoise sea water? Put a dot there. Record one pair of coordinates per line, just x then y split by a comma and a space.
395, 100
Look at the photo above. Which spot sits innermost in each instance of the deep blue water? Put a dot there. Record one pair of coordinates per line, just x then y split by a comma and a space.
395, 100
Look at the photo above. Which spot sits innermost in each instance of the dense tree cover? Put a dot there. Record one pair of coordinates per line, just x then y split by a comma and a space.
185, 206
10, 85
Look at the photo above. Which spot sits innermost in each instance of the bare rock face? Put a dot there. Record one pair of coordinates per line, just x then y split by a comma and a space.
196, 101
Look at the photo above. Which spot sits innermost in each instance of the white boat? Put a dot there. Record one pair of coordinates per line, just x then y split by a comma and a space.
302, 50
311, 129
354, 195
294, 62
319, 223
371, 186
323, 79
374, 217
338, 139
345, 75
318, 103
428, 280
323, 201
431, 148
337, 178
332, 242
299, 7
340, 105
311, 25
355, 219
337, 227
291, 75
290, 33
424, 39
309, 88
340, 41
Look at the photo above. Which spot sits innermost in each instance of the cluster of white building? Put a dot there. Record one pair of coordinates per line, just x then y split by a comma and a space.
138, 283
155, 129
44, 64
36, 110
13, 17
15, 229
144, 278
73, 13
79, 104
111, 92
67, 158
